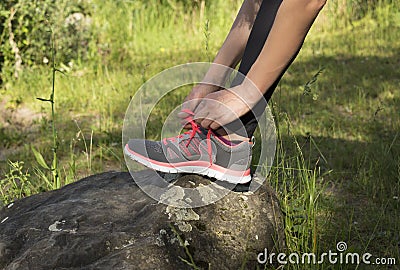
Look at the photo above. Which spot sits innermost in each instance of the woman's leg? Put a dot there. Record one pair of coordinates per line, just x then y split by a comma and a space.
259, 33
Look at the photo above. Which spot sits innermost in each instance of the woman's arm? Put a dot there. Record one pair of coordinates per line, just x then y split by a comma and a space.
230, 54
291, 25
231, 51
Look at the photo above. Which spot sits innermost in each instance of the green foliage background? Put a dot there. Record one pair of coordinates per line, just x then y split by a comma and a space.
83, 39
30, 26
337, 167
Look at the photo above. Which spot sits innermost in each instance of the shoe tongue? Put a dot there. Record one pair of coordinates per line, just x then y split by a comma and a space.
228, 142
203, 132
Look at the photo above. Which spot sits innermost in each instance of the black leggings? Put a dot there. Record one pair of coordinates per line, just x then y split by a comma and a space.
258, 35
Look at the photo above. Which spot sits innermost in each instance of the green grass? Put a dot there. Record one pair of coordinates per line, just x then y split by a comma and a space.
337, 169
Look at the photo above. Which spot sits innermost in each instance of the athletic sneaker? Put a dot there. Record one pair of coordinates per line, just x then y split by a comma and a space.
197, 151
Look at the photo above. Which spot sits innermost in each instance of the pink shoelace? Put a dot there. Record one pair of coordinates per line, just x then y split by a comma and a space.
192, 132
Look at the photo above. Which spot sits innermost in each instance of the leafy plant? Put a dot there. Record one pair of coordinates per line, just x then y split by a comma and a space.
24, 34
16, 183
191, 261
308, 86
39, 158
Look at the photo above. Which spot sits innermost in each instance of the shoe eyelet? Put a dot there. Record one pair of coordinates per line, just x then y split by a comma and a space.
253, 141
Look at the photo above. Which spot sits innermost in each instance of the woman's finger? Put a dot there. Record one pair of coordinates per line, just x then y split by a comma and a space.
189, 105
214, 125
206, 123
185, 124
200, 115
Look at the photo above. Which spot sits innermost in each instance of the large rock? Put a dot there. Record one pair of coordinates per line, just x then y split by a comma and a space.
106, 222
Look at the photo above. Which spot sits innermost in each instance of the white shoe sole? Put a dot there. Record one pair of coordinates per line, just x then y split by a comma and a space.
191, 169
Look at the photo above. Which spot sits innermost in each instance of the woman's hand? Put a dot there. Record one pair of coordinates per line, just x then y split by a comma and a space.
220, 108
194, 98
